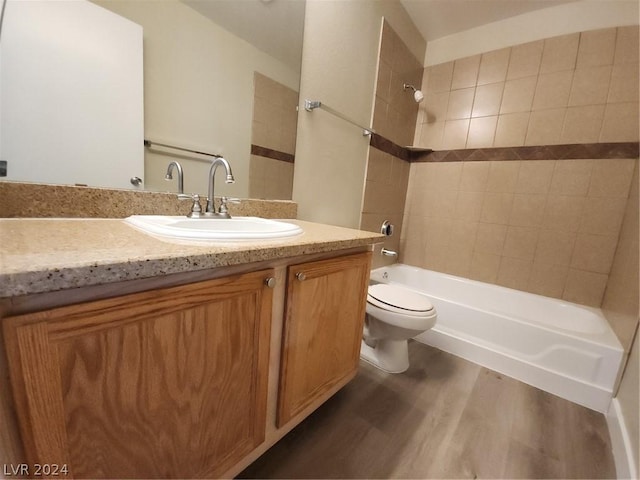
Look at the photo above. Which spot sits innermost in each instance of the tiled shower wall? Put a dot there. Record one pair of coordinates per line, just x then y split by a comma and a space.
273, 129
394, 118
548, 226
578, 88
395, 110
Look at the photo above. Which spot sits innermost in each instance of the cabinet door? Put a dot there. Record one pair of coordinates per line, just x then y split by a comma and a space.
325, 312
165, 383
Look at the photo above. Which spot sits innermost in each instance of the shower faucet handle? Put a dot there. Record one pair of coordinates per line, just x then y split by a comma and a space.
388, 253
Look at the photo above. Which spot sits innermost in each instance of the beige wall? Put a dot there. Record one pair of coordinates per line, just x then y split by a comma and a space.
629, 398
339, 65
274, 127
198, 91
394, 118
620, 304
577, 88
386, 186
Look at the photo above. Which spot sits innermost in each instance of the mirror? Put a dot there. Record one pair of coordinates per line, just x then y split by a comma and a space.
220, 76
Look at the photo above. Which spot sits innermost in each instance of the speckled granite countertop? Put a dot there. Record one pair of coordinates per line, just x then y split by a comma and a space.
45, 255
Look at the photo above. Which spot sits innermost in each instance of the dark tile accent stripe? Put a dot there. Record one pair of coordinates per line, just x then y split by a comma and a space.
387, 146
273, 154
542, 152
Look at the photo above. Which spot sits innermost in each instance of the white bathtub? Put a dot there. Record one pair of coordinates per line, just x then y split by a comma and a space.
563, 348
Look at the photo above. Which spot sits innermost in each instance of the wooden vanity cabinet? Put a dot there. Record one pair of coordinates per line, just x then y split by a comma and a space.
163, 383
189, 381
325, 310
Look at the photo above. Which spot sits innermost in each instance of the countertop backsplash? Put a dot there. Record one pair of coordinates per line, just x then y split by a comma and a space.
20, 199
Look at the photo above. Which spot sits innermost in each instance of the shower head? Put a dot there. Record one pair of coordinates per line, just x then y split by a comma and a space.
418, 96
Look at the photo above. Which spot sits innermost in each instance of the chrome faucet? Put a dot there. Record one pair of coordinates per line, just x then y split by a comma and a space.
210, 211
169, 175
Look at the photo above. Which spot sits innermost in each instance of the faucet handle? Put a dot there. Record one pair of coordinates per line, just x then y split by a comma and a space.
223, 203
196, 209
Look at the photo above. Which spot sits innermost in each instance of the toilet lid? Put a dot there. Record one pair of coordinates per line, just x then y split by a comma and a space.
383, 295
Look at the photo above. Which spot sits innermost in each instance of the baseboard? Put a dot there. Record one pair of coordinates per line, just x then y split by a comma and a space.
620, 442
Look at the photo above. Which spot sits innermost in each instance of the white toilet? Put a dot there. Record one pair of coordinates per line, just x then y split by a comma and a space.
394, 315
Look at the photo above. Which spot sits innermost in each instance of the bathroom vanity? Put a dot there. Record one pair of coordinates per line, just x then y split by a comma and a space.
169, 360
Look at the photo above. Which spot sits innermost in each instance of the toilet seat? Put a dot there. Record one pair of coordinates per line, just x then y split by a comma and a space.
400, 300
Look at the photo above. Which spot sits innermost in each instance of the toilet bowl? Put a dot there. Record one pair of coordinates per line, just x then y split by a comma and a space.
394, 315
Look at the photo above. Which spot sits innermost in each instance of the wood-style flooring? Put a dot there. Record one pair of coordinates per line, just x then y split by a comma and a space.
445, 417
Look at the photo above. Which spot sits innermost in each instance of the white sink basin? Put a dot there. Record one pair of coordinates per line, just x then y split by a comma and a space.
218, 229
